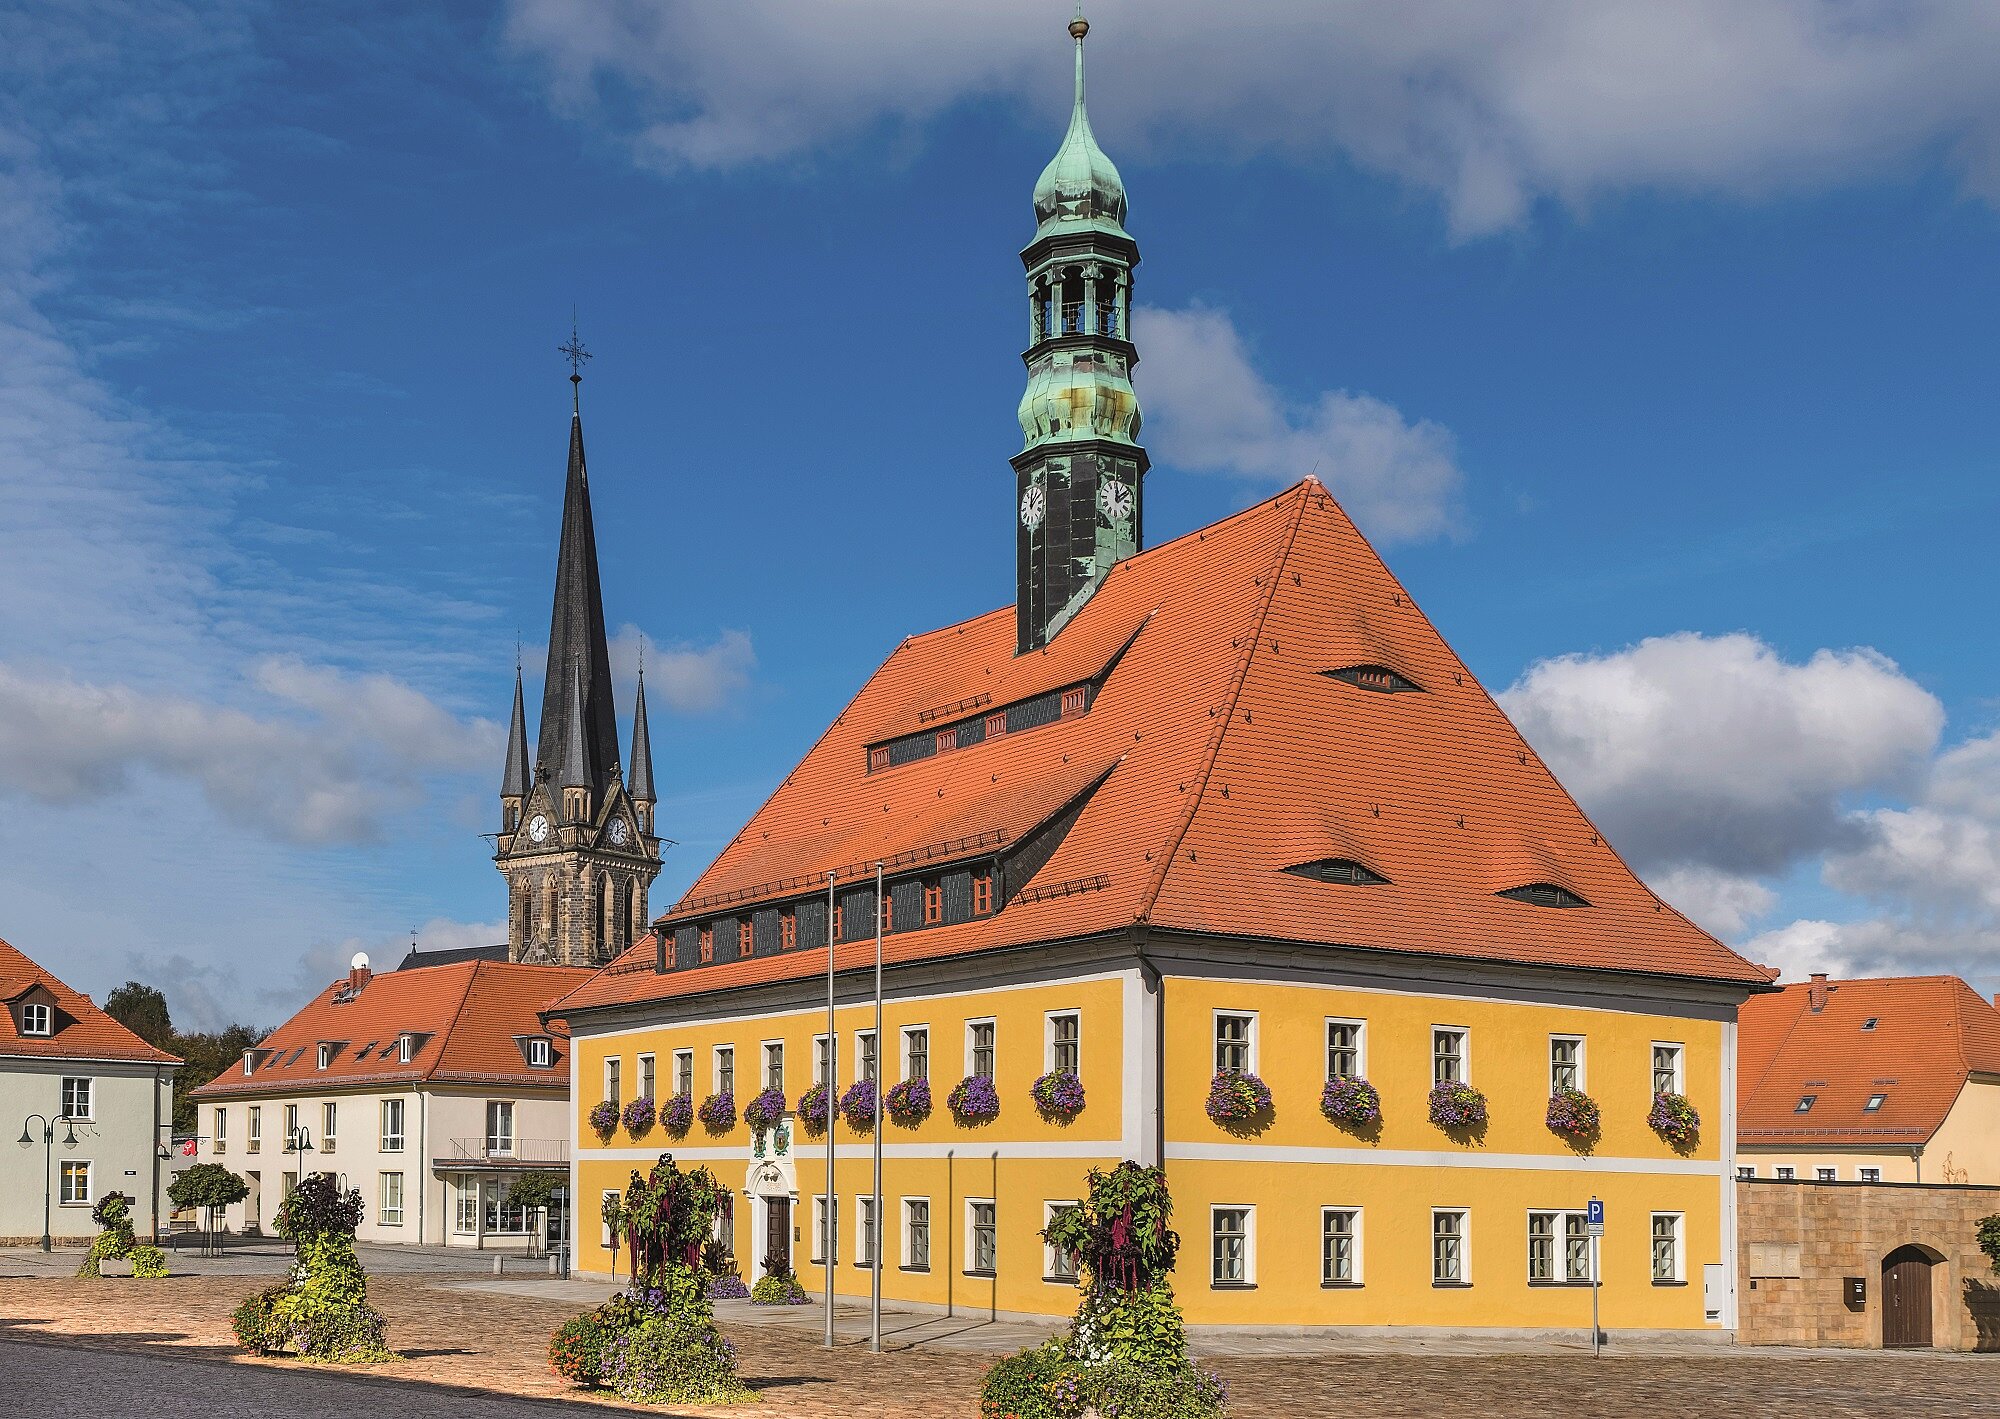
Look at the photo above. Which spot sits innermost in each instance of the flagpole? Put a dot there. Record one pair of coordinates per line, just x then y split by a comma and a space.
829, 1254
875, 1215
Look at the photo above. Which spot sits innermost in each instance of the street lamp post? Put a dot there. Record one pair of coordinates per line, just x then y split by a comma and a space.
48, 1159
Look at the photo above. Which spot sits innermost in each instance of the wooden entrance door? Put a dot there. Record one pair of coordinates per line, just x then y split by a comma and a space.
1906, 1299
777, 1235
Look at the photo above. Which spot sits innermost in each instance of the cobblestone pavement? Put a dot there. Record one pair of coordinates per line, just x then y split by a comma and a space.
465, 1344
271, 1256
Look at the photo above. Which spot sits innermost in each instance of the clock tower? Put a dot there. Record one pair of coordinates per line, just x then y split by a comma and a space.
576, 843
1078, 495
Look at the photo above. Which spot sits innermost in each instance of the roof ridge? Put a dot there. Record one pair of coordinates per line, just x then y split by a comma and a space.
1235, 696
444, 1035
1771, 1059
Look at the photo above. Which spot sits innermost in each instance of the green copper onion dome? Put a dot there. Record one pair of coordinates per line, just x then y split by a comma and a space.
1080, 184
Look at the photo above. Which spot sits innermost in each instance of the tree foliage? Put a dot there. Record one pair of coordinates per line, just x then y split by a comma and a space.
207, 1185
1989, 1239
142, 1009
537, 1189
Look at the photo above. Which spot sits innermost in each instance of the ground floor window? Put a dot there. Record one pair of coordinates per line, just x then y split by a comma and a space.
504, 1216
390, 1214
982, 1250
1448, 1236
465, 1208
917, 1233
75, 1183
1057, 1264
823, 1228
1229, 1229
1666, 1247
864, 1241
604, 1203
1558, 1247
1340, 1247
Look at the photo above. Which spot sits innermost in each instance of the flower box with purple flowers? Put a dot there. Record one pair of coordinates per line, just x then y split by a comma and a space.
766, 1109
718, 1111
1675, 1119
677, 1114
1456, 1105
859, 1105
812, 1108
908, 1103
1059, 1095
1350, 1101
603, 1118
1237, 1097
973, 1099
639, 1115
1573, 1113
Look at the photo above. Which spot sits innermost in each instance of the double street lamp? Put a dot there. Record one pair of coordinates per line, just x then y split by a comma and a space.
48, 1159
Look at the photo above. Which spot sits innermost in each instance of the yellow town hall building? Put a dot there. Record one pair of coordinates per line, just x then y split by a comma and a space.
1222, 837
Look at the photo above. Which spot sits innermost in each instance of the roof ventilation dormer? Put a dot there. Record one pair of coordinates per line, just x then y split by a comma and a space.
1343, 870
1379, 678
1544, 894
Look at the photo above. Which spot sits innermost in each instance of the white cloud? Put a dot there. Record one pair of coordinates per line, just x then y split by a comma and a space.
694, 679
1490, 107
1208, 410
1723, 903
1881, 947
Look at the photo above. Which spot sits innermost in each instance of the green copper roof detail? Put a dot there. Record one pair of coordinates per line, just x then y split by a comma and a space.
1080, 185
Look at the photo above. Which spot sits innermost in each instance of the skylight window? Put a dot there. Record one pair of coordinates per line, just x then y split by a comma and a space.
1871, 1022
1379, 678
1344, 870
1806, 1101
1544, 894
1874, 1104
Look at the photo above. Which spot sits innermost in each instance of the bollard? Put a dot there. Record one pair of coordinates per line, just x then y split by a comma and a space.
496, 1266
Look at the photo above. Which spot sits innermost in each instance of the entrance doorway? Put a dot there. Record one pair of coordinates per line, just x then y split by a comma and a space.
1906, 1299
777, 1235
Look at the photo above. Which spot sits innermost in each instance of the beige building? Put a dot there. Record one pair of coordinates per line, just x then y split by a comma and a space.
1891, 1080
429, 1089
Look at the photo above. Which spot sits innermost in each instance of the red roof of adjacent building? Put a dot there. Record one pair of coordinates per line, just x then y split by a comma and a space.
468, 1020
1216, 753
1915, 1040
81, 1029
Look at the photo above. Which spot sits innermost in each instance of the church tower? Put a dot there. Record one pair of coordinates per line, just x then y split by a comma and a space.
1078, 478
576, 843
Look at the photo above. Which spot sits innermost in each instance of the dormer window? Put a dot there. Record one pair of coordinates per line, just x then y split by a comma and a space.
38, 1019
540, 1056
406, 1047
1343, 870
1379, 678
249, 1061
325, 1056
1544, 894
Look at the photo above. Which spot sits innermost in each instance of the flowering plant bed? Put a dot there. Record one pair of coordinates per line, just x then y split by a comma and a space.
1574, 1114
1675, 1119
812, 1108
1058, 1095
908, 1103
973, 1099
639, 1115
603, 1118
1351, 1102
766, 1109
728, 1288
677, 1114
859, 1106
779, 1288
321, 1311
1237, 1098
717, 1111
1455, 1105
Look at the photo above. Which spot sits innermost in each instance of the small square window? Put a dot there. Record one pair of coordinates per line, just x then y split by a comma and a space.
539, 1054
39, 1019
1072, 701
1784, 1174
1745, 1171
996, 724
1823, 1174
878, 759
1871, 1175
947, 740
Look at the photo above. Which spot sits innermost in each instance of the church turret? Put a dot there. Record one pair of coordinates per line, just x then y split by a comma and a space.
576, 635
641, 787
1078, 478
515, 777
574, 777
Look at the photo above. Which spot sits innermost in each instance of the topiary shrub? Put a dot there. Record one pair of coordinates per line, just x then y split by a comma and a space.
779, 1288
322, 1311
209, 1187
114, 1242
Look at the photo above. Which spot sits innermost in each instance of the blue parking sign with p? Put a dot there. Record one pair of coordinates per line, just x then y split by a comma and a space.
1594, 1218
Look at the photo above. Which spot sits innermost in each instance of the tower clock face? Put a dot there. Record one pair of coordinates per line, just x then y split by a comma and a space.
1114, 500
538, 828
1034, 506
617, 832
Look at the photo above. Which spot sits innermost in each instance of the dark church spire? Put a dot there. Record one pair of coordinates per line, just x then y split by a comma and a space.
514, 779
641, 786
575, 765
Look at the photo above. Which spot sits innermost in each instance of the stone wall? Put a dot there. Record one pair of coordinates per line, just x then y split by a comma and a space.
1800, 1242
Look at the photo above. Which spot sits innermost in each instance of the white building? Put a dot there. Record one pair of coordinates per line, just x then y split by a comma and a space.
428, 1088
93, 1100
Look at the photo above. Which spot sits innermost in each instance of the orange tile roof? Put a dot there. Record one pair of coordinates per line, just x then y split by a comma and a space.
82, 1029
1931, 1033
1230, 757
467, 1014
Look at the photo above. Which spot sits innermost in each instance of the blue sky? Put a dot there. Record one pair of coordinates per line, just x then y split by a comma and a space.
1654, 347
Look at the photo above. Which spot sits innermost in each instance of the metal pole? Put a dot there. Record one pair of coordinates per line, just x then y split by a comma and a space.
826, 1243
1595, 1334
48, 1174
875, 1215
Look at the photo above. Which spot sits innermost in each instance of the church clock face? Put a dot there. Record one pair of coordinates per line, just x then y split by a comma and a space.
1034, 506
1114, 500
617, 832
538, 828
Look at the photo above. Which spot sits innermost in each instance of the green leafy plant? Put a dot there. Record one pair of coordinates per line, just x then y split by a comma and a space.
207, 1185
322, 1311
1989, 1239
112, 1213
149, 1262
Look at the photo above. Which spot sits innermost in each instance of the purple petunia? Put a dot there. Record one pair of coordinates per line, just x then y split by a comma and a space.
1456, 1105
908, 1103
1674, 1119
1237, 1097
677, 1113
973, 1099
639, 1114
812, 1108
1351, 1102
1573, 1112
718, 1111
766, 1109
859, 1106
1059, 1095
603, 1118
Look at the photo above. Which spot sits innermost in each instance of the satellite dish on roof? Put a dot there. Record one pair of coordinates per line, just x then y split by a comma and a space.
360, 961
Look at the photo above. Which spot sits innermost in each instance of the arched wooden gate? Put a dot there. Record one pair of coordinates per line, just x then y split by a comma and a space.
1906, 1299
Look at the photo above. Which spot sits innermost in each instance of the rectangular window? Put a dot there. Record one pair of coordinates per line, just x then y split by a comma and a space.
646, 1072
888, 911
864, 1235
324, 1057
1447, 1055
1783, 1174
291, 1126
540, 1055
76, 1097
744, 937
604, 1231
1871, 1175
1340, 1246
933, 904
979, 1048
684, 1072
1448, 1258
725, 1069
1234, 1037
839, 923
1229, 1251
917, 1233
500, 1128
864, 1054
391, 1214
705, 939
996, 724
1343, 1050
329, 1125
392, 1125
947, 740
254, 1133
1065, 1043
1057, 1264
1072, 701
1558, 1248
75, 1183
878, 759
1744, 1170
982, 893
613, 1082
822, 1053
982, 1251
788, 929
465, 1208
1565, 1063
406, 1048
219, 1135
1823, 1174
1667, 1069
1666, 1248
822, 1232
774, 1064
38, 1019
1805, 1103
1874, 1104
917, 1053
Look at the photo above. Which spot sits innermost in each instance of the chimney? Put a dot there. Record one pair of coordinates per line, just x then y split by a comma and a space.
1816, 992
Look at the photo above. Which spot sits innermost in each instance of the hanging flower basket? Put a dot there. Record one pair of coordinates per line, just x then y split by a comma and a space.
1675, 1119
973, 1099
1237, 1098
766, 1109
1350, 1102
908, 1103
1573, 1114
859, 1105
718, 1111
812, 1109
639, 1115
603, 1119
677, 1114
1059, 1095
1454, 1105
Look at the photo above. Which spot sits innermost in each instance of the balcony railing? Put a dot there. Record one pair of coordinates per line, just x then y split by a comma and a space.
528, 1152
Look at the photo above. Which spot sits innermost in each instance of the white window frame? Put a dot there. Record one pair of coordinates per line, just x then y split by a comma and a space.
324, 1056
1464, 1278
1680, 1064
465, 1207
1360, 1028
1559, 1270
85, 1087
862, 1040
1049, 1018
647, 1067
1250, 1033
1785, 1174
498, 1110
715, 1057
394, 1142
35, 1011
1870, 1174
219, 1136
291, 1124
903, 1036
1464, 1033
329, 1124
1053, 1260
822, 1057
1679, 1278
683, 1069
614, 1079
819, 1227
970, 1026
764, 1055
1357, 1278
63, 1174
1582, 1061
383, 1217
541, 1053
1822, 1173
910, 1262
406, 1047
1249, 1277
972, 1232
253, 1129
864, 1213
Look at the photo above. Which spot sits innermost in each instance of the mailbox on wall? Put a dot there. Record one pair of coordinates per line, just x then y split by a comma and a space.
1856, 1290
